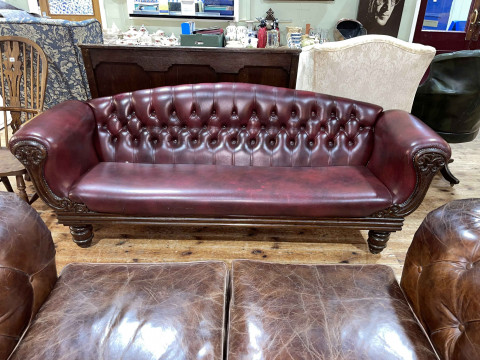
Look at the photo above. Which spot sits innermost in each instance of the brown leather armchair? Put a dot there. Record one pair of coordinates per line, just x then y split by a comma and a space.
101, 311
441, 278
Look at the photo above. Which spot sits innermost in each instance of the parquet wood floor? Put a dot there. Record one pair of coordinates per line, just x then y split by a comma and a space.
324, 246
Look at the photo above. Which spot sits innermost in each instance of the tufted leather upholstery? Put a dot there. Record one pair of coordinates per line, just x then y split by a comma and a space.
233, 124
27, 268
193, 151
441, 278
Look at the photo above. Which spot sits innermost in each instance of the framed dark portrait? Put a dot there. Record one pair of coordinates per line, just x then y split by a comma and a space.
381, 16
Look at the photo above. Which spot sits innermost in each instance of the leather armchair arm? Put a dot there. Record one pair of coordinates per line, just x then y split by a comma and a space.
56, 148
441, 278
27, 268
406, 155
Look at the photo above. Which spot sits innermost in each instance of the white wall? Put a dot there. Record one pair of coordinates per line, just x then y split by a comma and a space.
21, 4
323, 14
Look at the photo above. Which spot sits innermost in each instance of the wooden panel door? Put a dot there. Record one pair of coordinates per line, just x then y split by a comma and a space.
74, 10
448, 25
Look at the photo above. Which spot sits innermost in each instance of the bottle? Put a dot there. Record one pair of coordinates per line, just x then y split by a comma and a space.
262, 35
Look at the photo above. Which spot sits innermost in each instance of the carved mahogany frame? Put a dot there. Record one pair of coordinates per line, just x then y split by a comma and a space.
427, 162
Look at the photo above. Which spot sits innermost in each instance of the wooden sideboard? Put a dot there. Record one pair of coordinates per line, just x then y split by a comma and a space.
113, 69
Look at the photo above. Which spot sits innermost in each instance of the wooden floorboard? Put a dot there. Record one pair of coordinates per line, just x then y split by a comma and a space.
324, 246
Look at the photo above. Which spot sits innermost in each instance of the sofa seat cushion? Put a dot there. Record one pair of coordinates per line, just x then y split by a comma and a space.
131, 311
214, 190
321, 312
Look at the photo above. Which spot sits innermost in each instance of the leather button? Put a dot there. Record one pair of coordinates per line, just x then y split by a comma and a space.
292, 142
469, 266
263, 126
184, 126
461, 327
234, 141
213, 141
314, 114
114, 139
360, 128
174, 141
350, 143
342, 128
293, 113
244, 126
155, 141
419, 269
283, 126
272, 142
322, 128
164, 126
330, 143
224, 126
302, 127
311, 143
194, 141
205, 126
252, 142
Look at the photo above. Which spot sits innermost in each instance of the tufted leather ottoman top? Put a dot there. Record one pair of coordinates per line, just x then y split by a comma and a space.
131, 311
441, 278
340, 312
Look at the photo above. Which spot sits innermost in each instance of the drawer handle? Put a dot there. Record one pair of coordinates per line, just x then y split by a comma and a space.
198, 42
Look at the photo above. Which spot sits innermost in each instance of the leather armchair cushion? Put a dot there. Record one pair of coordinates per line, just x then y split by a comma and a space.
185, 189
321, 312
131, 311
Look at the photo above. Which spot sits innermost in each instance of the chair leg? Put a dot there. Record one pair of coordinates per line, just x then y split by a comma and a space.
21, 188
33, 199
7, 184
447, 175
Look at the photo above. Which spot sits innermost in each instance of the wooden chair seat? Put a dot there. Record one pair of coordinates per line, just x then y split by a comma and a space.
12, 167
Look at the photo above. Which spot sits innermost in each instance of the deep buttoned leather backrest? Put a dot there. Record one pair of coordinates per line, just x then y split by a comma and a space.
27, 268
441, 278
233, 124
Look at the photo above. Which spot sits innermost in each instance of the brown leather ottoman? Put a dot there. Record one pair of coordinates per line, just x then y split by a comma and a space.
102, 311
131, 311
321, 312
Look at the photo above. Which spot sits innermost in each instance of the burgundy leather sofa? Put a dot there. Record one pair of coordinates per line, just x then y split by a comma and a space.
188, 310
228, 154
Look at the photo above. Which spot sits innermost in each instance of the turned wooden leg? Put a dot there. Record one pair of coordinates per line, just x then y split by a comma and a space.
7, 184
377, 241
21, 188
447, 175
82, 235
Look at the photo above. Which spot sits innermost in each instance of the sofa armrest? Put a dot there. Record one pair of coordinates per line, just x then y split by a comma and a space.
406, 155
57, 148
441, 278
27, 268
